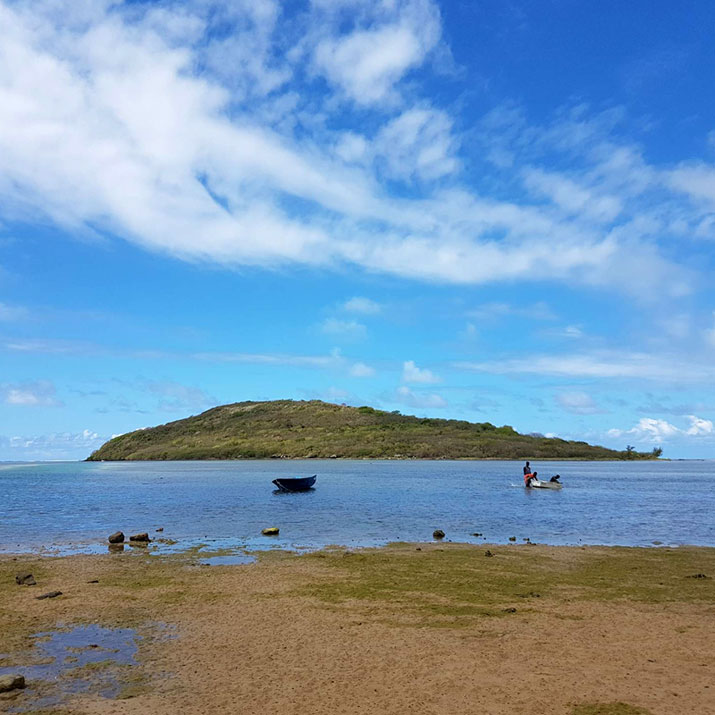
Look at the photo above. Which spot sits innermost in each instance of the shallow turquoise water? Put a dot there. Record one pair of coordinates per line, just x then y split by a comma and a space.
74, 506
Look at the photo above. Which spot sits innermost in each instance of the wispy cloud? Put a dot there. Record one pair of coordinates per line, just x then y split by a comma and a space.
331, 361
56, 445
405, 396
577, 403
363, 306
40, 393
175, 396
602, 364
347, 329
497, 311
10, 313
709, 334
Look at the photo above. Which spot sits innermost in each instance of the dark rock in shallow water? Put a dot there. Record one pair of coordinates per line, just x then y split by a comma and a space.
116, 538
139, 537
50, 594
161, 528
270, 531
25, 579
512, 538
11, 682
438, 534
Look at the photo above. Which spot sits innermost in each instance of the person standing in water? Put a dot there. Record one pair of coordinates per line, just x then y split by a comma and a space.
527, 469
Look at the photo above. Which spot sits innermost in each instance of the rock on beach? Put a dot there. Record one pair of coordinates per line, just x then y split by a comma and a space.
25, 579
11, 682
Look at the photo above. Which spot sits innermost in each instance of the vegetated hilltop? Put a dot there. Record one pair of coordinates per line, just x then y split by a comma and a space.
293, 430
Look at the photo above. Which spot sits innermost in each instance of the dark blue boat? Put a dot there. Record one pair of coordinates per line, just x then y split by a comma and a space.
295, 484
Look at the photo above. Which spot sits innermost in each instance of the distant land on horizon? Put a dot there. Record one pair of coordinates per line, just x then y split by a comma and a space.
288, 429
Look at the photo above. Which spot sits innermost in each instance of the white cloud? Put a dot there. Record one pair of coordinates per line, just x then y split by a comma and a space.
360, 369
364, 306
40, 393
405, 396
368, 62
648, 429
699, 426
578, 403
412, 373
657, 430
189, 129
348, 329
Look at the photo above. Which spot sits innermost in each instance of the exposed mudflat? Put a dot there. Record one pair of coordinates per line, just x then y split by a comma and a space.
410, 628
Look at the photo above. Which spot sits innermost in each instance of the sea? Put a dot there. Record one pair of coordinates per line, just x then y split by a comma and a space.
71, 507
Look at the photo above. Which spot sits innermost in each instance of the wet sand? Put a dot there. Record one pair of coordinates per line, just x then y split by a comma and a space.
409, 628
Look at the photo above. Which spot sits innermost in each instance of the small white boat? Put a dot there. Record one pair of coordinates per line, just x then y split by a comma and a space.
538, 484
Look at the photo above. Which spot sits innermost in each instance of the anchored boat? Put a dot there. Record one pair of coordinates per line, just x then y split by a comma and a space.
295, 484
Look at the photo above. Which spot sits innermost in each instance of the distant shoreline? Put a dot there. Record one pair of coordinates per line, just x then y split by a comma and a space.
397, 459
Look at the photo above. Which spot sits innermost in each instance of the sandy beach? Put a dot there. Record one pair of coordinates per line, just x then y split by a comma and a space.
418, 628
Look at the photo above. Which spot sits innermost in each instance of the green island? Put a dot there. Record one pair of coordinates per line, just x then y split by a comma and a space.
288, 429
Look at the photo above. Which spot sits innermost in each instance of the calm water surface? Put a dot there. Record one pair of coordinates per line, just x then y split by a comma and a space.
74, 506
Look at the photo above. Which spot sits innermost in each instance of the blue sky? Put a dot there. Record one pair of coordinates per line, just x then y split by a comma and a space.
491, 210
